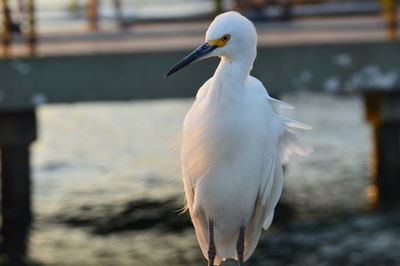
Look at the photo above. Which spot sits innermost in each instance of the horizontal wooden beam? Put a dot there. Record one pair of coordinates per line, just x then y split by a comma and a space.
27, 82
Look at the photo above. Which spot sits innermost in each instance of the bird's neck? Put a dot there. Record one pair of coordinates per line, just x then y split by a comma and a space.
228, 82
233, 71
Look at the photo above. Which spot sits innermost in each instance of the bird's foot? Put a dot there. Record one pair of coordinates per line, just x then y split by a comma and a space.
240, 246
211, 247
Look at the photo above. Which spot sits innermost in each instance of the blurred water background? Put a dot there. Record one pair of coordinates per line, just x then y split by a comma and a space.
95, 165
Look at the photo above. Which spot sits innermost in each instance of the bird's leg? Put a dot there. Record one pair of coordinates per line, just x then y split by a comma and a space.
240, 246
211, 246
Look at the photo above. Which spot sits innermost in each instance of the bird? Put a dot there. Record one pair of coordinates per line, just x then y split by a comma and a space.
235, 140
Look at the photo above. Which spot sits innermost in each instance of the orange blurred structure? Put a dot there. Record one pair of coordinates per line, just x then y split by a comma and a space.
389, 9
8, 26
5, 36
93, 18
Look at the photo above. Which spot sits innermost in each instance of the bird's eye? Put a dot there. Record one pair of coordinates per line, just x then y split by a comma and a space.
226, 37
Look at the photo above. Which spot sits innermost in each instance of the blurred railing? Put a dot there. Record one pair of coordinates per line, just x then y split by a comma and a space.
75, 10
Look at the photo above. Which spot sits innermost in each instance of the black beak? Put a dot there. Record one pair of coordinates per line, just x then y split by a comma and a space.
193, 56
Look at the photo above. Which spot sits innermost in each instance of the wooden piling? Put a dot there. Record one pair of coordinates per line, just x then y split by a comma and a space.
118, 14
92, 15
31, 27
5, 35
218, 7
383, 112
17, 132
390, 11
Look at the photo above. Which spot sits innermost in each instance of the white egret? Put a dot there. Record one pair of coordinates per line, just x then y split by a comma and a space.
234, 143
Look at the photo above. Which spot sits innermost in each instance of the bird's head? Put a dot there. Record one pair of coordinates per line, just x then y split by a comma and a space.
229, 35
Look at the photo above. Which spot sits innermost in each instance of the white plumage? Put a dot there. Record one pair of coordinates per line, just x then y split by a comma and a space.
234, 143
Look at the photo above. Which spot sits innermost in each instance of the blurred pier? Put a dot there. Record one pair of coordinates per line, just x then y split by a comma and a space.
187, 35
333, 21
330, 54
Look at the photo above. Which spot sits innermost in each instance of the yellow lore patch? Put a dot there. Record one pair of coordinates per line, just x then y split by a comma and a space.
220, 41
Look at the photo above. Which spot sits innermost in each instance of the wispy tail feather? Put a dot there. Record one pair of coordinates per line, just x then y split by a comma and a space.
289, 143
296, 124
278, 104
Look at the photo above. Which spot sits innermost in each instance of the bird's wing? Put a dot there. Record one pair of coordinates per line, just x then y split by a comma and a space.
269, 194
275, 153
192, 152
289, 143
190, 178
192, 167
195, 161
271, 187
